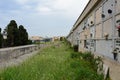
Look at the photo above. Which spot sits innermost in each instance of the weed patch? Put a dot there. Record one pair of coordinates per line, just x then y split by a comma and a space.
54, 63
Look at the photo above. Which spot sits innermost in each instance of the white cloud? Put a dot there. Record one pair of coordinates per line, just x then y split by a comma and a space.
22, 1
28, 7
63, 4
63, 7
71, 7
59, 15
43, 10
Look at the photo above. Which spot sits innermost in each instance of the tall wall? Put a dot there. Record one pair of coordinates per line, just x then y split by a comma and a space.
97, 28
14, 52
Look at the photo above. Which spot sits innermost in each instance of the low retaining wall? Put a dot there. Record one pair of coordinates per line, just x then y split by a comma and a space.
14, 52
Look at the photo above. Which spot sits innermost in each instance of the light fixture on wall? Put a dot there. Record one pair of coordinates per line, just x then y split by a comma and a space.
106, 36
109, 11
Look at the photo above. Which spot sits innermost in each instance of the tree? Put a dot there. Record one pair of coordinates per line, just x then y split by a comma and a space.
1, 38
12, 34
23, 35
30, 42
15, 36
62, 38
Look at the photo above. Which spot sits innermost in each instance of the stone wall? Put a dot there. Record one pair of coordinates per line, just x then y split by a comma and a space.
14, 52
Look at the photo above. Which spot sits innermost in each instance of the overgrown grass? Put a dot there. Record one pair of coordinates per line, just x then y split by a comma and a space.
54, 63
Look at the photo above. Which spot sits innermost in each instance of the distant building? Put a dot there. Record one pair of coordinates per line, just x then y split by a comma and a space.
98, 29
36, 39
57, 38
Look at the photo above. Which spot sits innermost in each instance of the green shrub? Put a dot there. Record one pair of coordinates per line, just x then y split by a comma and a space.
76, 55
84, 68
89, 57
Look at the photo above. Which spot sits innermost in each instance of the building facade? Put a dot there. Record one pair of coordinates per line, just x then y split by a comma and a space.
36, 39
98, 29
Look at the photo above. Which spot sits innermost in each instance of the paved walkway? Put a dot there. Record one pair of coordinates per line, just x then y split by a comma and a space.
114, 68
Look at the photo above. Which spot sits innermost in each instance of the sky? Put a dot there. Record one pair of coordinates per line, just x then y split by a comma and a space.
46, 18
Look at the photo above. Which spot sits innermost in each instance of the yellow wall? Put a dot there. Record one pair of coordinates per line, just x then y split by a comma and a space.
118, 6
107, 27
87, 32
81, 46
98, 31
98, 15
82, 36
91, 18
